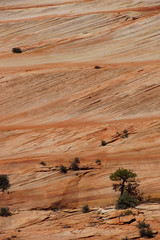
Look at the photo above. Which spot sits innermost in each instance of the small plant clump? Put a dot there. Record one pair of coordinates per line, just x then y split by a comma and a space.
43, 163
97, 67
141, 225
63, 169
4, 182
16, 50
103, 143
145, 230
125, 133
125, 238
98, 162
85, 209
126, 213
4, 212
76, 160
75, 164
126, 201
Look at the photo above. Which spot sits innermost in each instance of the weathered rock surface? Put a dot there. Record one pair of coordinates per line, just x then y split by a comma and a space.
66, 224
55, 106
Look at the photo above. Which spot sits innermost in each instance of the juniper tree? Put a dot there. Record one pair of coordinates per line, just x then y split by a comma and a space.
126, 180
4, 182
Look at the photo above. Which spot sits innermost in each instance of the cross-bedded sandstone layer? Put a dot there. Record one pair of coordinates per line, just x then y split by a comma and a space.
55, 105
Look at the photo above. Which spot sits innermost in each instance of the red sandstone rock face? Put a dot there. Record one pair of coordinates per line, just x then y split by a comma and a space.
55, 106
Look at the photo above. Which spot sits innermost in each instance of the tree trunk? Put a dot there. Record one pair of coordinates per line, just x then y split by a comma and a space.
122, 188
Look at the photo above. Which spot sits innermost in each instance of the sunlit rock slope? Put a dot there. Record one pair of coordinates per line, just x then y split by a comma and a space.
55, 105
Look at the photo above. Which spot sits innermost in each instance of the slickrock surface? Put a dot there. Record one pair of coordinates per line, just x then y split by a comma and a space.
103, 224
55, 105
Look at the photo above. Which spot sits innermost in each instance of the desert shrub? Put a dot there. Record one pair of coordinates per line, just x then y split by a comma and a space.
146, 232
103, 143
141, 225
126, 201
16, 50
66, 226
97, 67
129, 212
85, 209
4, 212
43, 163
125, 238
98, 162
74, 166
76, 160
126, 213
125, 133
63, 169
4, 182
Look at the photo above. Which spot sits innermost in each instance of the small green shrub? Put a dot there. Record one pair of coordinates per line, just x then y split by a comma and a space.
126, 213
145, 230
125, 133
141, 225
97, 67
98, 162
4, 212
129, 212
85, 209
126, 201
103, 143
16, 50
4, 182
43, 163
74, 166
146, 233
63, 169
66, 226
76, 160
125, 238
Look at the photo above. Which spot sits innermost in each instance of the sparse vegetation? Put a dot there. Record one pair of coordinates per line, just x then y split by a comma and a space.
85, 209
76, 160
125, 238
128, 187
97, 67
103, 143
66, 226
145, 230
16, 50
4, 212
43, 163
141, 225
146, 233
74, 166
98, 162
125, 133
4, 182
126, 213
63, 169
126, 201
